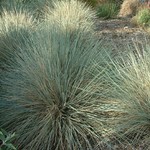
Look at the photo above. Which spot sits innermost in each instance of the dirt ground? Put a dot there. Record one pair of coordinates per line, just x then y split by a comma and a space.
121, 33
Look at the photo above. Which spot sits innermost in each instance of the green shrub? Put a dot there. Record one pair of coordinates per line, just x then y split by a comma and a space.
53, 95
5, 140
143, 17
107, 10
71, 15
132, 89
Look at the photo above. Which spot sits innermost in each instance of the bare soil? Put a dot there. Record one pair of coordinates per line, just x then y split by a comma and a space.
121, 33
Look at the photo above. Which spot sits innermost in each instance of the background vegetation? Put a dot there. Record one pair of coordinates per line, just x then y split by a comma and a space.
143, 17
108, 10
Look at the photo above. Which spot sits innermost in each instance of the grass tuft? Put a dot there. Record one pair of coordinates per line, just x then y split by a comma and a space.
34, 7
15, 28
132, 86
71, 14
54, 93
107, 10
143, 17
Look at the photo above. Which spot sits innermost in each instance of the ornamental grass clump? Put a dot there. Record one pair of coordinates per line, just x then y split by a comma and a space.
15, 28
71, 14
132, 89
54, 92
35, 7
